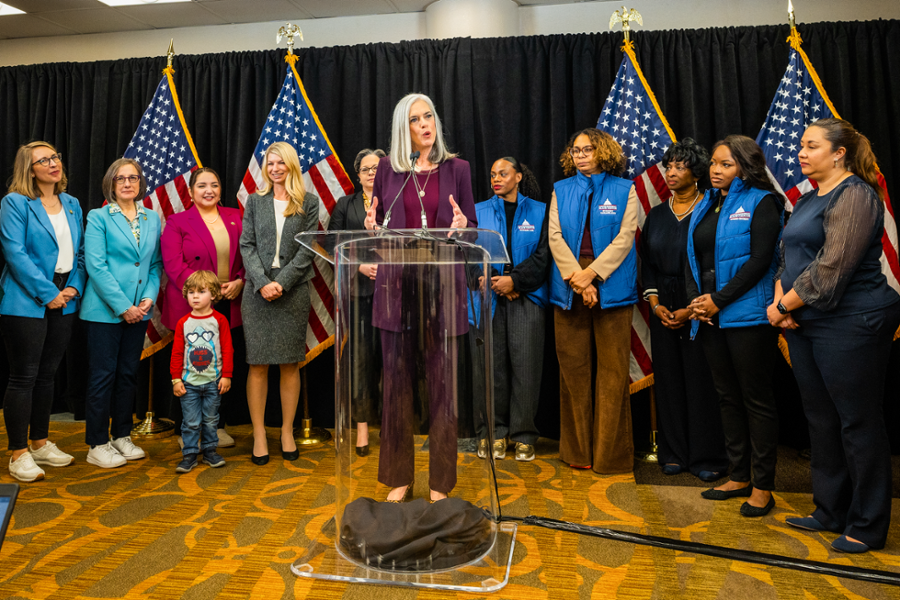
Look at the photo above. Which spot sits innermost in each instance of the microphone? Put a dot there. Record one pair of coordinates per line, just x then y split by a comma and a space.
387, 216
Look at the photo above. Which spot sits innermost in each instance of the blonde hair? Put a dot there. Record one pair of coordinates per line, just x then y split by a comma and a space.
199, 280
109, 180
23, 180
401, 141
293, 183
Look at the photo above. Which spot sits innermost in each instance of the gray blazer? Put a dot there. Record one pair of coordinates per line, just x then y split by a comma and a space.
258, 242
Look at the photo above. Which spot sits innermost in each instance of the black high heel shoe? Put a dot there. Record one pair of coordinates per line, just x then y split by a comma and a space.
362, 450
293, 455
259, 460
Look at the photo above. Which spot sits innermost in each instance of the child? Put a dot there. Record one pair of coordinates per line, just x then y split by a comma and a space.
201, 368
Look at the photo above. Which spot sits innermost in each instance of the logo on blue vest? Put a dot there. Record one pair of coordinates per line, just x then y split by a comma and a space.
526, 226
740, 215
608, 208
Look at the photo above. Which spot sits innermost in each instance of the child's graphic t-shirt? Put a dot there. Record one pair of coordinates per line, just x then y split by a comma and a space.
202, 351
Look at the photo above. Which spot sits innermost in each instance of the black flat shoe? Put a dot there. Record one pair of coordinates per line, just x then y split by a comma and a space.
362, 450
673, 469
748, 510
294, 455
714, 494
709, 475
259, 460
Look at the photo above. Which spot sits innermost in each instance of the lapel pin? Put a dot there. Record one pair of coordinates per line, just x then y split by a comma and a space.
145, 217
71, 212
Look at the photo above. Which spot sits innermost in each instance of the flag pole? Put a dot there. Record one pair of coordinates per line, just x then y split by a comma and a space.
626, 17
152, 427
306, 434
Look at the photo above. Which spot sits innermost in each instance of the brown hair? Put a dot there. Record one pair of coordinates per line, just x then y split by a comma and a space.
859, 159
23, 180
199, 280
750, 160
607, 152
109, 183
198, 172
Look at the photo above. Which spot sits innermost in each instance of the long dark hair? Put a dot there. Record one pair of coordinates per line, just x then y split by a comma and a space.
528, 186
860, 159
751, 161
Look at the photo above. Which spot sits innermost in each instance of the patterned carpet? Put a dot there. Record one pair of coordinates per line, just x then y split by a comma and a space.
142, 531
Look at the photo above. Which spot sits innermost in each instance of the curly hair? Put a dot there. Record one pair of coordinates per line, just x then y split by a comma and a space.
528, 187
607, 152
199, 280
693, 155
750, 160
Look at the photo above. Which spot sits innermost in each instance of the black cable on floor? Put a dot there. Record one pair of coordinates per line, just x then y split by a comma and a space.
762, 558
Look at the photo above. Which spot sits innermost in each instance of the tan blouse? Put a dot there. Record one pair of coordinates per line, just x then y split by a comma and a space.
223, 250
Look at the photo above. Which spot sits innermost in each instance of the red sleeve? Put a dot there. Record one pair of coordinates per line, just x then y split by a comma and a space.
177, 364
225, 345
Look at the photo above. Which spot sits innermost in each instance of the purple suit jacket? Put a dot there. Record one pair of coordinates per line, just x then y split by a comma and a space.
187, 246
455, 179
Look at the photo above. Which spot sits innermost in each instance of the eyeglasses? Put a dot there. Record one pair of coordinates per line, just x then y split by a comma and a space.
367, 170
45, 162
129, 178
586, 151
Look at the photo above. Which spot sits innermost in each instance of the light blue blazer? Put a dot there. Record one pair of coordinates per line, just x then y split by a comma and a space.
120, 273
30, 247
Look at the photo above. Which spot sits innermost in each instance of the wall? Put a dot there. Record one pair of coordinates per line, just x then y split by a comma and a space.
532, 20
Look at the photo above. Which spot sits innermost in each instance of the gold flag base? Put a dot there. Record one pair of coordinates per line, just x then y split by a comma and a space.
652, 455
153, 428
307, 435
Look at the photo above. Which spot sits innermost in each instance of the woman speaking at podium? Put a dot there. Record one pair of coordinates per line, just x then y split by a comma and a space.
421, 184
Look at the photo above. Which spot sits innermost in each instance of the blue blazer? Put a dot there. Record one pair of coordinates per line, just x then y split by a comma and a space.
30, 247
120, 272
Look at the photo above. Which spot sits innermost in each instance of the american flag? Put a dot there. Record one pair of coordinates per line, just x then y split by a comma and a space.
166, 153
800, 100
293, 120
633, 117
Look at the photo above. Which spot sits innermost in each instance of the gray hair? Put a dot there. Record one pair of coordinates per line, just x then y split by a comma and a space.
401, 142
364, 153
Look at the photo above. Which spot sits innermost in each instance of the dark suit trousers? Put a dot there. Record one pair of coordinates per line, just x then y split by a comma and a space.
593, 346
400, 351
742, 360
687, 405
840, 364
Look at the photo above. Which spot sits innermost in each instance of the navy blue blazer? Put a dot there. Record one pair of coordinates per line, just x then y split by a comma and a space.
31, 250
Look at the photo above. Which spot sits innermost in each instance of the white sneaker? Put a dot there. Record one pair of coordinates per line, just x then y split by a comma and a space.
24, 469
50, 455
105, 456
127, 449
225, 440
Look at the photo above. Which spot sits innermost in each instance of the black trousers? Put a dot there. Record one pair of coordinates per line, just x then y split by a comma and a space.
840, 364
742, 360
34, 348
365, 362
114, 355
687, 405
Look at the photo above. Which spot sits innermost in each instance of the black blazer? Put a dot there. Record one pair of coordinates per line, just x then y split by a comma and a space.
349, 214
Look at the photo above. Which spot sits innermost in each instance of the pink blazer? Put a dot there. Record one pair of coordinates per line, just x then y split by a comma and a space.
187, 246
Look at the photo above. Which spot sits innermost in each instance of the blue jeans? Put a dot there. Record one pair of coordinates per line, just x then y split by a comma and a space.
200, 407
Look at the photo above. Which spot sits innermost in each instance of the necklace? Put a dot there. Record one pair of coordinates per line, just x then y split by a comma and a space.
366, 201
210, 222
689, 208
719, 205
54, 205
422, 191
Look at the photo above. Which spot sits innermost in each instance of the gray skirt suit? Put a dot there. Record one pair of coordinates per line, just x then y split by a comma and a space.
276, 331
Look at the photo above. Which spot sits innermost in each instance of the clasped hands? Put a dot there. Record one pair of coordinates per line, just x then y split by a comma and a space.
137, 313
582, 282
501, 285
776, 319
62, 299
271, 291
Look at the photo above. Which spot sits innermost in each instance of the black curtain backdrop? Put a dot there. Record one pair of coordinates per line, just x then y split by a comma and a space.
522, 96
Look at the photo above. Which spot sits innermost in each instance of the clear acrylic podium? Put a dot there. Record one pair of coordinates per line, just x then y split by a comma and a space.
419, 300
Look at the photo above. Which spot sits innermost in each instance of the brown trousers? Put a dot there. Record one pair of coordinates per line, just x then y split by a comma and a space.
593, 346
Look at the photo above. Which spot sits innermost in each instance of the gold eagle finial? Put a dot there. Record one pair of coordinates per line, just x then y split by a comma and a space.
626, 17
290, 32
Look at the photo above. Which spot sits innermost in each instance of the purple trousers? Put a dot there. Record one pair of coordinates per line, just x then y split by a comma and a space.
400, 353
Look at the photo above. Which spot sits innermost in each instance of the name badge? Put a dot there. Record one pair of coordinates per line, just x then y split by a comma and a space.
608, 208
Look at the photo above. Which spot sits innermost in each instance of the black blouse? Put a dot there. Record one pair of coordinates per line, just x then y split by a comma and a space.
664, 255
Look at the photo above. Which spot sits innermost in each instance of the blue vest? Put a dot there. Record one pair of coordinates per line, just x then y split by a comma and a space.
607, 209
732, 251
526, 233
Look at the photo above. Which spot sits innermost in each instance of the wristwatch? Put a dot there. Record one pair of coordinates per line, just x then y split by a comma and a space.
782, 309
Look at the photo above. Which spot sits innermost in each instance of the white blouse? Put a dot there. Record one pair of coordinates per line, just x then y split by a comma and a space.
280, 207
65, 260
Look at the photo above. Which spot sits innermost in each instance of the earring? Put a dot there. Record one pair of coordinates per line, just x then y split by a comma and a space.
835, 163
